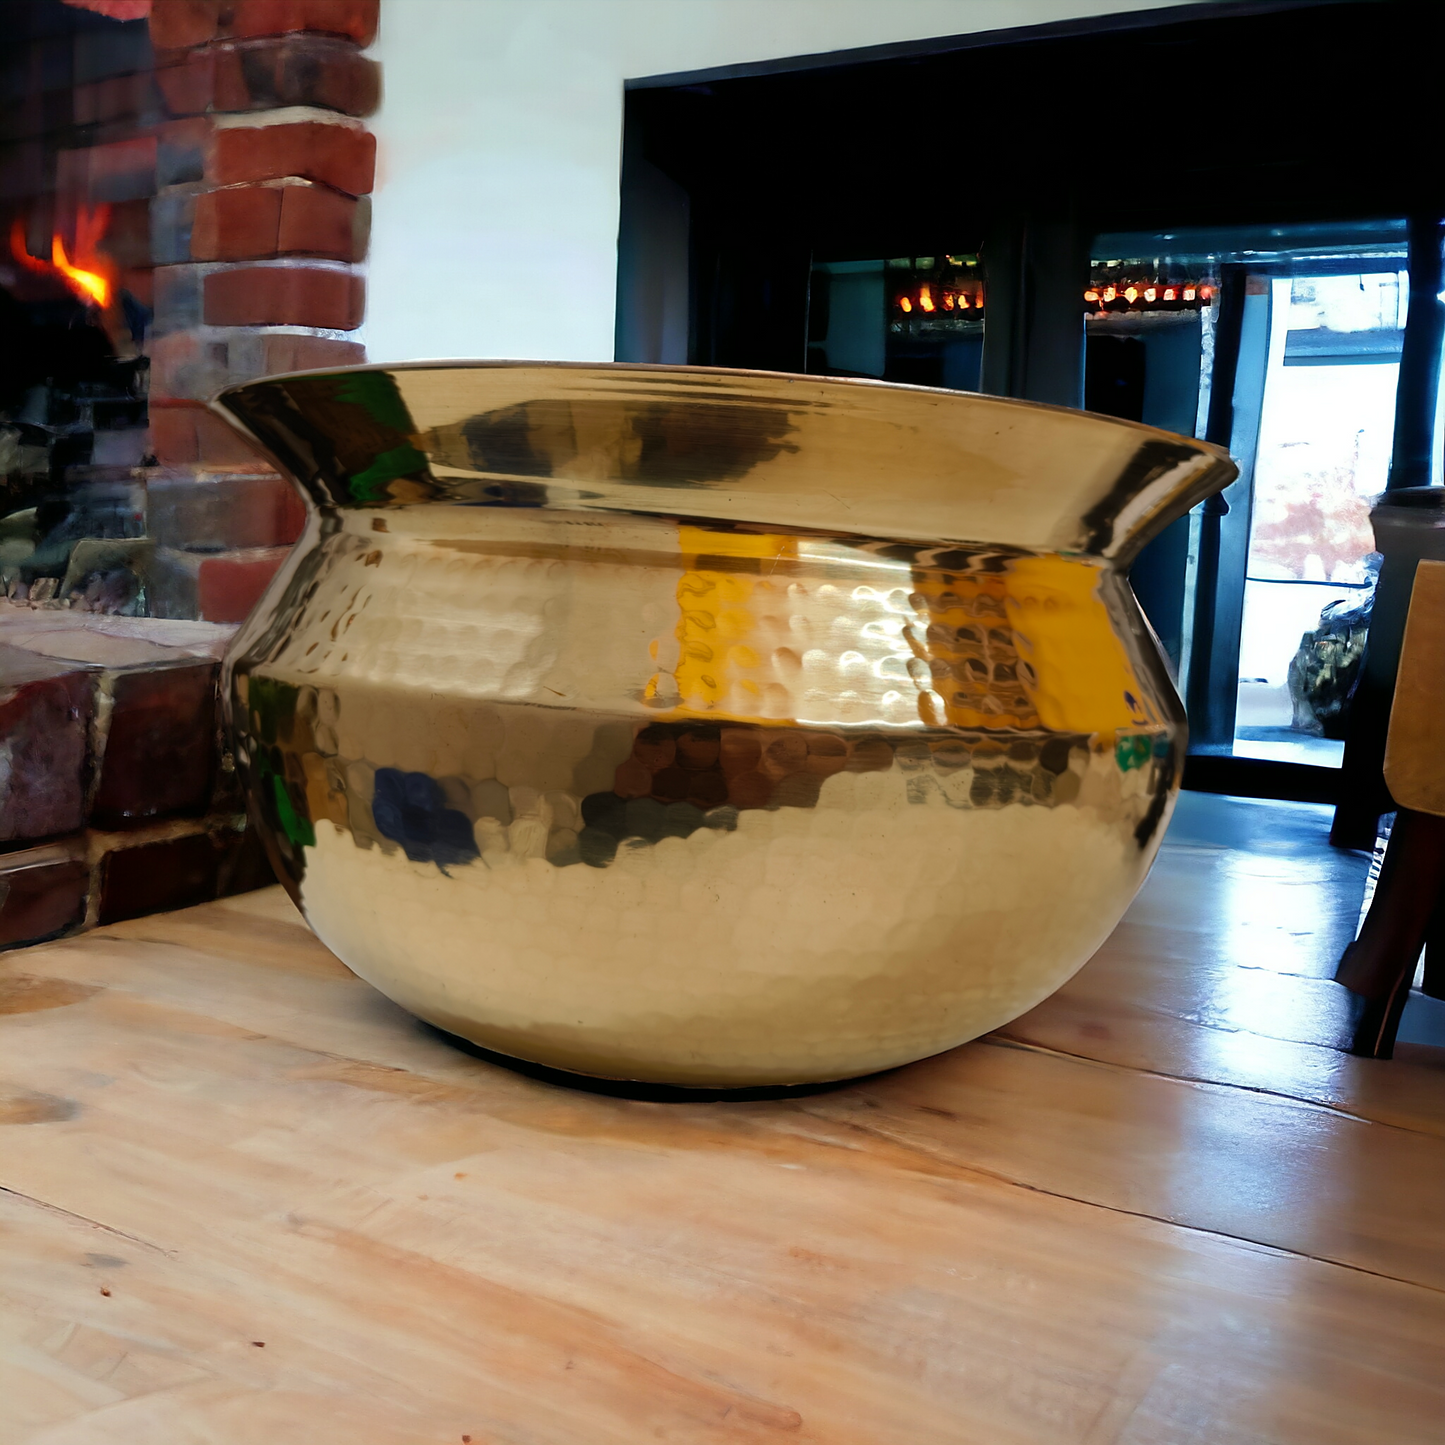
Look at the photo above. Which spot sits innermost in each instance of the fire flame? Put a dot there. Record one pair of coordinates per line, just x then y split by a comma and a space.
89, 284
90, 275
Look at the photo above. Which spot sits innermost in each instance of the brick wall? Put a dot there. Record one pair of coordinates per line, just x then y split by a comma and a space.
224, 144
258, 226
118, 798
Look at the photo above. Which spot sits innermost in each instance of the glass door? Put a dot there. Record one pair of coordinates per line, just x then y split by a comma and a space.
1281, 344
1324, 438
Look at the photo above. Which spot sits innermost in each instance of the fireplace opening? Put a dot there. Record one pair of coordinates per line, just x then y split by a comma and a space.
73, 422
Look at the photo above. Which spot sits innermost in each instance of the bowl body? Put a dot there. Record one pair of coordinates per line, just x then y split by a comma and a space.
714, 729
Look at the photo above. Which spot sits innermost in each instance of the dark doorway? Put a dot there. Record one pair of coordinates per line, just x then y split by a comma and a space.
806, 199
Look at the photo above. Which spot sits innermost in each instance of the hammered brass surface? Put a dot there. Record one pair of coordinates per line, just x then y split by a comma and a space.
709, 728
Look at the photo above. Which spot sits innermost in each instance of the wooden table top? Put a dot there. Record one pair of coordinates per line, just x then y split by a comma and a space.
247, 1199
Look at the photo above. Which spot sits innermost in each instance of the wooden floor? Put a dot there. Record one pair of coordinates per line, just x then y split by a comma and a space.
247, 1200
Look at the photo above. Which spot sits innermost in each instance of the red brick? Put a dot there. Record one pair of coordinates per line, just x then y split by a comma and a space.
40, 899
221, 444
228, 587
295, 70
123, 170
187, 80
117, 97
173, 435
185, 432
353, 19
239, 223
336, 155
221, 511
306, 353
45, 714
190, 365
284, 296
177, 23
268, 75
195, 365
317, 221
160, 749
167, 873
140, 282
252, 223
216, 587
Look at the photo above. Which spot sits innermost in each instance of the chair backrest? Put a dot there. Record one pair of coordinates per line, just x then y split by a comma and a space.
1415, 752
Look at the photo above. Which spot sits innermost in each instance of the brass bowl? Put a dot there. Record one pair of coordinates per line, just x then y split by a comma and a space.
703, 727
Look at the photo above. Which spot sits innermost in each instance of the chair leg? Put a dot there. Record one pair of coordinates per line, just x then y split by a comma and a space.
1354, 827
1380, 963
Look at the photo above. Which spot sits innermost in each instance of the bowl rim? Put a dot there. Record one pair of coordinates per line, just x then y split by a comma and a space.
868, 383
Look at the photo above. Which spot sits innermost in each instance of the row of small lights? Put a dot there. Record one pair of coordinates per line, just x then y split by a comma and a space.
950, 301
1149, 294
1094, 296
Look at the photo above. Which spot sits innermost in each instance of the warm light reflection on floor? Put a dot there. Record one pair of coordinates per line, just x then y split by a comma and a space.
1223, 969
1278, 905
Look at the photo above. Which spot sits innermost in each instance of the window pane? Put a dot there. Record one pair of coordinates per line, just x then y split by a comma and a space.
1324, 451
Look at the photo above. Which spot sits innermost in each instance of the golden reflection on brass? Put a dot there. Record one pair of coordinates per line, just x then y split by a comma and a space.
701, 727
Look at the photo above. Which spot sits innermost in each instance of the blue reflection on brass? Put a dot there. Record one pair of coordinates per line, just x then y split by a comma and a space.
411, 809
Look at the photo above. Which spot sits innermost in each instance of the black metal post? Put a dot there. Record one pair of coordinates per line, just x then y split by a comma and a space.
1035, 273
1418, 386
1363, 794
1211, 713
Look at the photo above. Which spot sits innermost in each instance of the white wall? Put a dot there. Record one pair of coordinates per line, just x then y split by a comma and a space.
495, 221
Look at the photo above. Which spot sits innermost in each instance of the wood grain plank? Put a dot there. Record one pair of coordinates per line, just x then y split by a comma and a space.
221, 1138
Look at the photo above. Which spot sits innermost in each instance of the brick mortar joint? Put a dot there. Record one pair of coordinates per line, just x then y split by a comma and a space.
272, 183
210, 331
227, 44
284, 115
204, 474
202, 269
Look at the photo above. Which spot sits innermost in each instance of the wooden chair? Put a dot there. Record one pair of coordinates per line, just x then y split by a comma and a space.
1408, 909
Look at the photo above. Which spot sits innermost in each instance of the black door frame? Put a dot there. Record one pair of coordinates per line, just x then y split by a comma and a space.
762, 156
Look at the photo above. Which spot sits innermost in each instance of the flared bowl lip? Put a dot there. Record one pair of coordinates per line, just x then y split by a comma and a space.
659, 368
978, 470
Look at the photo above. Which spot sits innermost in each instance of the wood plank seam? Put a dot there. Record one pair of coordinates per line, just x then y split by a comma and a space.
958, 1170
56, 1209
1002, 1041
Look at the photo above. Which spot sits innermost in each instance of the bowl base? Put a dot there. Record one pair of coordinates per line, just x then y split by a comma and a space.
639, 1089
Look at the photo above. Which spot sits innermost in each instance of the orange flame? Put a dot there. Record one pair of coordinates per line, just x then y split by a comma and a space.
925, 298
89, 276
89, 284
